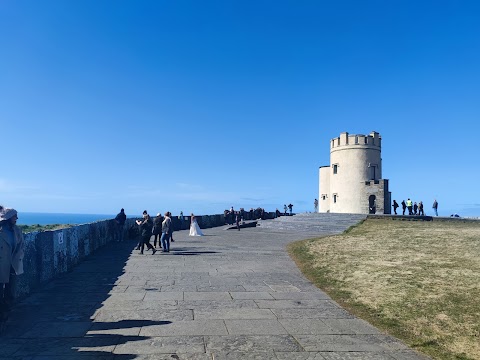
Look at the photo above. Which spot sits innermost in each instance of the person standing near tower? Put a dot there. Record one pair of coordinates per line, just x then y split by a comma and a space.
290, 207
395, 206
435, 207
315, 205
420, 209
409, 206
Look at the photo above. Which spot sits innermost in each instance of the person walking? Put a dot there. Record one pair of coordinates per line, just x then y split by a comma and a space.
435, 207
409, 206
165, 239
404, 207
157, 230
420, 209
415, 208
285, 209
12, 251
146, 226
120, 224
315, 205
395, 206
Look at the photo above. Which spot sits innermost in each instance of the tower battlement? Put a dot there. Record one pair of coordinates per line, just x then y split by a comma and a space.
345, 139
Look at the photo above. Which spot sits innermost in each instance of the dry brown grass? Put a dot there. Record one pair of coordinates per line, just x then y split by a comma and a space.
417, 280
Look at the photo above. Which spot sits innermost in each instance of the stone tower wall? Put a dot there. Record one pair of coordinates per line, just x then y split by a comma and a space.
355, 160
324, 189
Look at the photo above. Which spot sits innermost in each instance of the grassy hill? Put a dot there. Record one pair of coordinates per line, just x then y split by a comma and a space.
418, 281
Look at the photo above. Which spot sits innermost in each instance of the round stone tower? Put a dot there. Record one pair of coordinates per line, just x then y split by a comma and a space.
353, 182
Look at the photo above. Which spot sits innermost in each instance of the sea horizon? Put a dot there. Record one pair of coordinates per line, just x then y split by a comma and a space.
34, 218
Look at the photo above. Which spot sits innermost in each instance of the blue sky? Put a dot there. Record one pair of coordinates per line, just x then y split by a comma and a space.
201, 105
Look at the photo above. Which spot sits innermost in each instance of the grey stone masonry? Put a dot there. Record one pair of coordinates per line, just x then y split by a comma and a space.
226, 295
313, 223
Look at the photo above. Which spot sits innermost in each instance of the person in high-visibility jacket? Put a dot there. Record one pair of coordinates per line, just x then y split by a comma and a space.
409, 206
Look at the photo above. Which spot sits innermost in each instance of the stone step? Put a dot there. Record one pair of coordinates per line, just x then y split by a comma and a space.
321, 223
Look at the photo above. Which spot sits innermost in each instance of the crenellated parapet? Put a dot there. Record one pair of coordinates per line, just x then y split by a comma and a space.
373, 140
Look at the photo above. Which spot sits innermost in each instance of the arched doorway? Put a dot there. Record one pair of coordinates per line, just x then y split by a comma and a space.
372, 204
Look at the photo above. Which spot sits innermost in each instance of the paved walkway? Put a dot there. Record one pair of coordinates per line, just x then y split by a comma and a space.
229, 295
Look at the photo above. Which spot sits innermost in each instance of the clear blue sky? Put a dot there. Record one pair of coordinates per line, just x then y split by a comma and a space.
201, 105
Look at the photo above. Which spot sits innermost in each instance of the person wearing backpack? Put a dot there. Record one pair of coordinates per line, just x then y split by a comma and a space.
395, 206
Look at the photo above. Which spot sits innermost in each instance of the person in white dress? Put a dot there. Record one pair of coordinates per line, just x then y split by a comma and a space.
194, 228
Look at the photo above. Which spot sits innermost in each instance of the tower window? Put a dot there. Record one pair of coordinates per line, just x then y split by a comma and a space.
335, 168
334, 198
324, 197
373, 172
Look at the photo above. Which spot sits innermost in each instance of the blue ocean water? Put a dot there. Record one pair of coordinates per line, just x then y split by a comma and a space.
30, 218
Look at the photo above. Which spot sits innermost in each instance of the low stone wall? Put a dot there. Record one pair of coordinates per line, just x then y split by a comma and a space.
51, 253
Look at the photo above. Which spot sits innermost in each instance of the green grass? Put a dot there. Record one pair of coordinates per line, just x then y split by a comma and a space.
38, 227
418, 281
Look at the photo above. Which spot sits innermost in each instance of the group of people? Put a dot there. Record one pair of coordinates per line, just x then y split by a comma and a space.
289, 207
413, 207
161, 228
232, 216
12, 250
286, 207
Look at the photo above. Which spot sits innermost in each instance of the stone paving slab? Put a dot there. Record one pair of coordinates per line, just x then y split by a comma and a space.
116, 315
228, 295
238, 314
251, 343
181, 328
262, 295
254, 327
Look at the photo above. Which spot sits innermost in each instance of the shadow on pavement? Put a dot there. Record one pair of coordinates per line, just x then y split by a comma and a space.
58, 320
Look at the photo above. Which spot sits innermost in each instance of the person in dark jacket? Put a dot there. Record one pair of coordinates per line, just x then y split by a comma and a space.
395, 206
120, 224
404, 207
420, 209
146, 226
290, 207
157, 230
